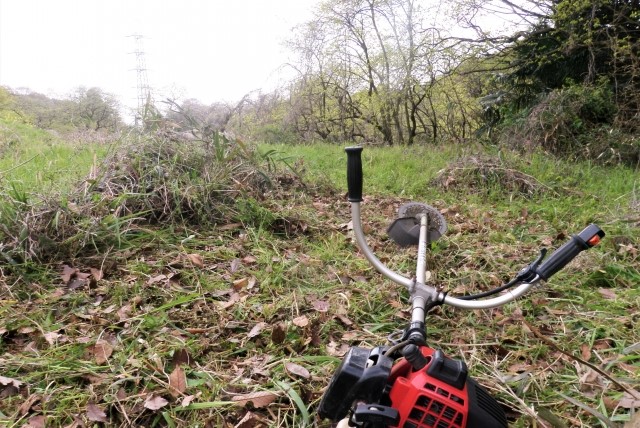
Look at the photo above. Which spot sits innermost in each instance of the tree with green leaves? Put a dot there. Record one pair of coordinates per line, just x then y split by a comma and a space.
583, 42
6, 100
570, 81
96, 109
43, 111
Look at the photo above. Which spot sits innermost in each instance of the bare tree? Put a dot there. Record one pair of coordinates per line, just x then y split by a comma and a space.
200, 120
370, 69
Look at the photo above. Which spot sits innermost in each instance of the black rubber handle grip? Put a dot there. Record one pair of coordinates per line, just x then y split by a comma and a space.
586, 239
354, 173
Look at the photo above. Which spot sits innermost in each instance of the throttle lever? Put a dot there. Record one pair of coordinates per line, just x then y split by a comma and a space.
528, 273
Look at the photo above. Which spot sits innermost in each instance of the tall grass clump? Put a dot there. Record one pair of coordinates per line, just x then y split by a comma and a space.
163, 180
150, 180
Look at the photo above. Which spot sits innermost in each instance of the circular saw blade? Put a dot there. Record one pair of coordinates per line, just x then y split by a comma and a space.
406, 229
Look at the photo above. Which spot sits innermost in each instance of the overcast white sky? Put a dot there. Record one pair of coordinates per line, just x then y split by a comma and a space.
205, 49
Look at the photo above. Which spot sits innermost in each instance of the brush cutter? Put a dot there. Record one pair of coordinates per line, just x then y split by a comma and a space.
407, 383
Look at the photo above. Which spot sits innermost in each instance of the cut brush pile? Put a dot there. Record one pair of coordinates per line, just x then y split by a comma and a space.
480, 175
146, 182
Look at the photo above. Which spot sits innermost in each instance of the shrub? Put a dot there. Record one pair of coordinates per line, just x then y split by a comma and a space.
576, 121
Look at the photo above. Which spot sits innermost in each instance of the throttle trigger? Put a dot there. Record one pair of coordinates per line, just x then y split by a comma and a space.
529, 273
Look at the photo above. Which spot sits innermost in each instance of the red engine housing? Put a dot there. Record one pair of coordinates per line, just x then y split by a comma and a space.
441, 399
426, 402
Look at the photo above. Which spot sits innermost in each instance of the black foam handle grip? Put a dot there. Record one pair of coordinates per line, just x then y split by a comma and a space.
586, 239
354, 173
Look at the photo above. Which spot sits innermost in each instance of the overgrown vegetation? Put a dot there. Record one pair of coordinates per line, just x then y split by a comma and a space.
85, 109
146, 181
200, 282
563, 80
569, 83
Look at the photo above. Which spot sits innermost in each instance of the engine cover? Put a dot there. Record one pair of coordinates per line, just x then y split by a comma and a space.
440, 395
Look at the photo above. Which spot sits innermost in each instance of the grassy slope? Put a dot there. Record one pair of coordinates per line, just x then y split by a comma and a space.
246, 308
35, 160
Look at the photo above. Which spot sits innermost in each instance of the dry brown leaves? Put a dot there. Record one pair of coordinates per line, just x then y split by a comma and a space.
37, 421
634, 422
251, 420
74, 278
257, 399
101, 351
155, 402
7, 381
177, 382
96, 413
296, 370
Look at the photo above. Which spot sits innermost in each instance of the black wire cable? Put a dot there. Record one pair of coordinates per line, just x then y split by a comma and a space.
490, 292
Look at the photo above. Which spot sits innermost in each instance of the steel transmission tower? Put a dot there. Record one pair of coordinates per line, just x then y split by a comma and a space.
144, 92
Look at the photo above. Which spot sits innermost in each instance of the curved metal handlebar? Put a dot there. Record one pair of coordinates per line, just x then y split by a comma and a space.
410, 284
362, 243
586, 239
508, 296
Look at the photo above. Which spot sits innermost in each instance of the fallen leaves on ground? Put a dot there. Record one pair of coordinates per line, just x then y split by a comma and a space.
95, 413
177, 382
301, 321
634, 422
101, 351
250, 420
256, 330
608, 293
236, 335
155, 402
37, 421
7, 381
297, 370
30, 402
629, 401
320, 305
196, 259
258, 399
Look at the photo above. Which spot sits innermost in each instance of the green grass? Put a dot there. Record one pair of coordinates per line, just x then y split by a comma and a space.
282, 283
37, 161
399, 171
